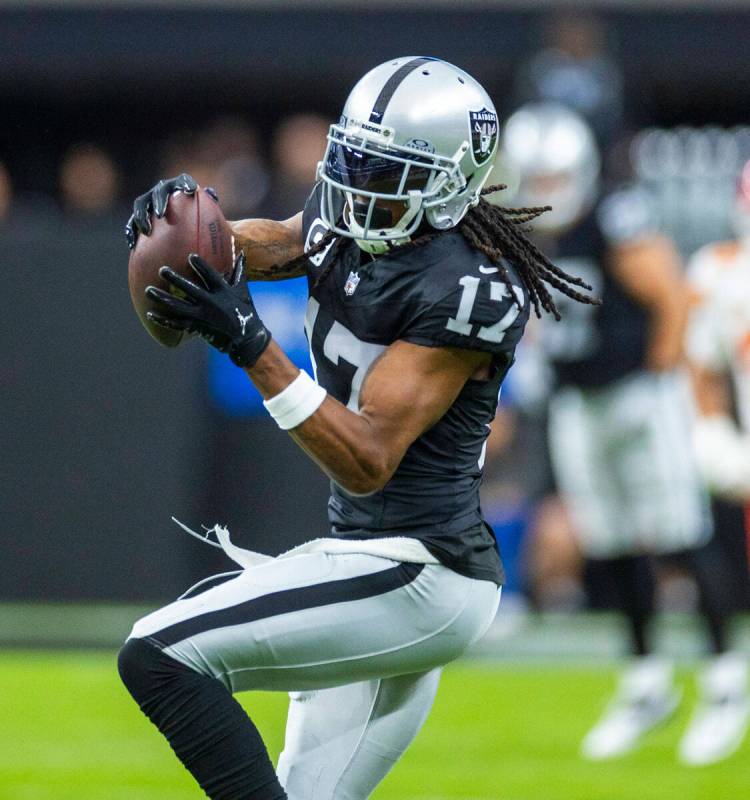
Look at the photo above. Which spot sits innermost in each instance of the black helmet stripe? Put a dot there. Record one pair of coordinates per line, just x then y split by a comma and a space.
386, 93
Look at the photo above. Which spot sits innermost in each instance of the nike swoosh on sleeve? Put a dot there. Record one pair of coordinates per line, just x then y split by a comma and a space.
488, 270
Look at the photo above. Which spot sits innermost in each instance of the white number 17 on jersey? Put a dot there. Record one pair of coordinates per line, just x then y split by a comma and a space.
498, 291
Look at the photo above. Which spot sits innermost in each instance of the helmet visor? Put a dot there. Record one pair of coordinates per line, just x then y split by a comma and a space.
376, 170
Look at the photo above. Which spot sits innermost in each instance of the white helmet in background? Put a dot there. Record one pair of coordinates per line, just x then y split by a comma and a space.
741, 208
554, 154
415, 131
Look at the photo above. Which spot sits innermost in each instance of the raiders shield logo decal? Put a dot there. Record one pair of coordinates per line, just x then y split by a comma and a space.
483, 127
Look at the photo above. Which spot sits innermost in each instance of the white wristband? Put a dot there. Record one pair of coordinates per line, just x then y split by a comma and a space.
300, 400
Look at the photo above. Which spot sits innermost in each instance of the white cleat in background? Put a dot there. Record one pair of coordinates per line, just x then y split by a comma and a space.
645, 697
721, 718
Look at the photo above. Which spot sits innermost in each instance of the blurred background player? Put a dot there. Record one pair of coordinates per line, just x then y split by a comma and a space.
619, 417
718, 344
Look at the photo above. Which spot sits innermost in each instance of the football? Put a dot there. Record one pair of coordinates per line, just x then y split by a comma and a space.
194, 223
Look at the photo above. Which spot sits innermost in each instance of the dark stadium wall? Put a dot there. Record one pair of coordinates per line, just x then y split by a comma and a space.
106, 435
129, 82
310, 54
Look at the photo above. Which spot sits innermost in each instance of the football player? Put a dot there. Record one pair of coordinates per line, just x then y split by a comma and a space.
718, 345
419, 292
619, 424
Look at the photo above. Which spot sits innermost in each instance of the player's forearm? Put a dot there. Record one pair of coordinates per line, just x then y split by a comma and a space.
269, 246
343, 444
650, 271
668, 320
346, 448
710, 391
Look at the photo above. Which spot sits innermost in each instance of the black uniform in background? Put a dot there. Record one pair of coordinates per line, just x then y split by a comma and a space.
593, 346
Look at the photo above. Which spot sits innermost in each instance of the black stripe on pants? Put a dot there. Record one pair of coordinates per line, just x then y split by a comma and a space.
289, 600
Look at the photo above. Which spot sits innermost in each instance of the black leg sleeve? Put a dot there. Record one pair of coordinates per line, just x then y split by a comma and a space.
205, 726
626, 584
717, 603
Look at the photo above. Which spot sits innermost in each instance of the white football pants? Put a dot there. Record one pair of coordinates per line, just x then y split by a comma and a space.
357, 639
623, 461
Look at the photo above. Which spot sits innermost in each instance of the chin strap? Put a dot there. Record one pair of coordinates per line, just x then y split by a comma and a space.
378, 248
372, 247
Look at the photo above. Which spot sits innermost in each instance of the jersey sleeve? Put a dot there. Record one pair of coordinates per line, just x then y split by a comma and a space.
313, 227
313, 230
477, 313
703, 341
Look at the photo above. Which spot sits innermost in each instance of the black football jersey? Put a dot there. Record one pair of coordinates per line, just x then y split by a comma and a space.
439, 294
593, 346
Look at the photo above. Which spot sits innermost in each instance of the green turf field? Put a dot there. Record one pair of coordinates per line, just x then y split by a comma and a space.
68, 731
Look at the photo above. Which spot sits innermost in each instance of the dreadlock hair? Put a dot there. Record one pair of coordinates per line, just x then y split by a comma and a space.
499, 232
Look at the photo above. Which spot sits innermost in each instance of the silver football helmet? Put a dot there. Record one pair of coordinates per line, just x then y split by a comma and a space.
417, 136
553, 151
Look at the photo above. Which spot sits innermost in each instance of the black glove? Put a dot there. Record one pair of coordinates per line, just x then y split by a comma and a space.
220, 310
154, 201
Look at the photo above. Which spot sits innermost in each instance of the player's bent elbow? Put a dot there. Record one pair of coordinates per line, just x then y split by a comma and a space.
371, 476
363, 485
356, 489
361, 488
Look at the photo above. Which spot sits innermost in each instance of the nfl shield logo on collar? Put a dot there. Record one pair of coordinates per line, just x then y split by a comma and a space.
351, 283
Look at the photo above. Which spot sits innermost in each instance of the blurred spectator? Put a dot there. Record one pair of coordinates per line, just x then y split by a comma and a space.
225, 155
6, 192
575, 69
299, 144
229, 149
178, 155
89, 180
